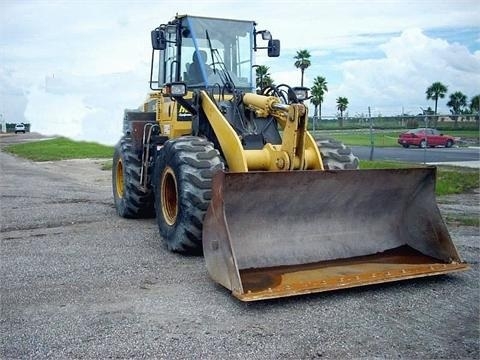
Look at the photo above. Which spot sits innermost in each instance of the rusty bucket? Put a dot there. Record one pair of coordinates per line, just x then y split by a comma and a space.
276, 234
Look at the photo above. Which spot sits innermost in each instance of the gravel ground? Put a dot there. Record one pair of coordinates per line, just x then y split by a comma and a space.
80, 282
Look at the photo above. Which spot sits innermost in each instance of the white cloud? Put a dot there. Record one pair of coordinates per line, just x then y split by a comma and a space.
55, 114
411, 63
84, 108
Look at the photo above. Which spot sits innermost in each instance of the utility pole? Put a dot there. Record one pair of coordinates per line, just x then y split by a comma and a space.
371, 134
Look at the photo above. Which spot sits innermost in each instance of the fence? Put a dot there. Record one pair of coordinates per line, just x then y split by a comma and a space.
470, 122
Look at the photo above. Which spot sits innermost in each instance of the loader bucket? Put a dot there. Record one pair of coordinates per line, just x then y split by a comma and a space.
276, 234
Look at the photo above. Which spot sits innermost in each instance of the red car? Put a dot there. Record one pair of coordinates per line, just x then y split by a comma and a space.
425, 137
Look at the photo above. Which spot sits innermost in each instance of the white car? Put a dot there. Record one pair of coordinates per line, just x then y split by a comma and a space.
19, 128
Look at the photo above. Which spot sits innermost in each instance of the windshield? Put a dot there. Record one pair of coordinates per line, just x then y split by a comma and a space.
215, 51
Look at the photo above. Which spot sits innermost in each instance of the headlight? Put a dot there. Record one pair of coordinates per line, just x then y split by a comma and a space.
176, 89
301, 93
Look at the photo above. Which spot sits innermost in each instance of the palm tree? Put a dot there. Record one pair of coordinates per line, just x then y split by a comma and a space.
263, 78
436, 91
475, 104
342, 104
319, 89
458, 100
302, 61
475, 107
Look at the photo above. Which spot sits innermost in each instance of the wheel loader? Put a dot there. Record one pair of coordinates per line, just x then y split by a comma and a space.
232, 172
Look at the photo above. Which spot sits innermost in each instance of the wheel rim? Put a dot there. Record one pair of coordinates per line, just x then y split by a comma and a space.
169, 196
119, 179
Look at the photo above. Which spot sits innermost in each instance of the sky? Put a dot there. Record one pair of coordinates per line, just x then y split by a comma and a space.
71, 67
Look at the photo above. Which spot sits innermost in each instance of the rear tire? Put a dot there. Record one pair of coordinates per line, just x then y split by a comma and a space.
335, 155
182, 184
406, 146
131, 201
449, 144
423, 144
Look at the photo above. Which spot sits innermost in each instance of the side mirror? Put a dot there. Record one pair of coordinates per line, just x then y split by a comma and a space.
273, 48
158, 40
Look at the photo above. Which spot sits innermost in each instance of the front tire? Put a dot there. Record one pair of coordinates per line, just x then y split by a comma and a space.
182, 184
449, 144
131, 201
335, 155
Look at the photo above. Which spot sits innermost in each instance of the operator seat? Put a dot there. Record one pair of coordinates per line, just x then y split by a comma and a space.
194, 70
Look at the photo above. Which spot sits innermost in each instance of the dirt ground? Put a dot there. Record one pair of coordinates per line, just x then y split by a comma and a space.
80, 282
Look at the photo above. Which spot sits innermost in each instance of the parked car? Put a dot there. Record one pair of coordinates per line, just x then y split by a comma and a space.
19, 128
424, 137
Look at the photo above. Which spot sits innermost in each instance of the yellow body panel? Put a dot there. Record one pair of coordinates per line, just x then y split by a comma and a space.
168, 110
228, 138
298, 150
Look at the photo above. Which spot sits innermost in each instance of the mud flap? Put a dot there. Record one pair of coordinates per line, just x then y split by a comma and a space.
276, 234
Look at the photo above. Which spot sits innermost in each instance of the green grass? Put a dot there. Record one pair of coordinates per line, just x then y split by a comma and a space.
469, 134
366, 164
60, 149
363, 139
463, 220
453, 180
450, 179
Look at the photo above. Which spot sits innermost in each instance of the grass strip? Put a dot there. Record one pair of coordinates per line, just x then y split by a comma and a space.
60, 149
450, 179
459, 220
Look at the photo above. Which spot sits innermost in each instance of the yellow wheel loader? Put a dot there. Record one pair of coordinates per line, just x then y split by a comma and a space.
234, 173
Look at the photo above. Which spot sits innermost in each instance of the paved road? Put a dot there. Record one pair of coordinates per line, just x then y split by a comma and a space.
77, 281
416, 155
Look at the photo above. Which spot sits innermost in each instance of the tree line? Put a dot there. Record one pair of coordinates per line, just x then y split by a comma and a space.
458, 102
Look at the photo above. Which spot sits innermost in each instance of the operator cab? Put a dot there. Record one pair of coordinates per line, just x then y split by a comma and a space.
206, 52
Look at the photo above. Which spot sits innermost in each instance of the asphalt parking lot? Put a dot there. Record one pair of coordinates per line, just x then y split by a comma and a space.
80, 282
